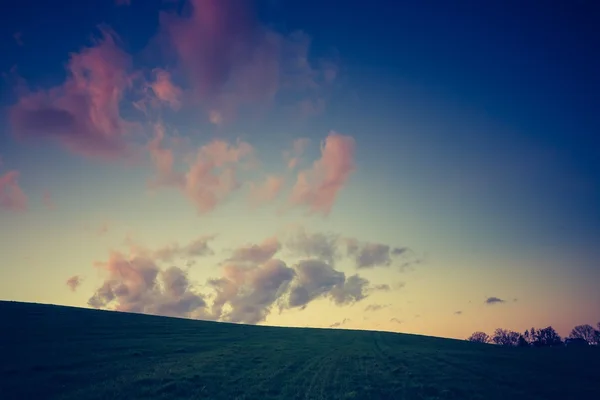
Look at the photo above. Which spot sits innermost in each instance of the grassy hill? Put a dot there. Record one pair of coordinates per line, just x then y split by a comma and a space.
53, 352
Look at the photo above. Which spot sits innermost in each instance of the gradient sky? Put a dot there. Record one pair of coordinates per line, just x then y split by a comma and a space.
426, 167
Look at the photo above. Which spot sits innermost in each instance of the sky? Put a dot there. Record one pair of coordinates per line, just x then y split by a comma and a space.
422, 167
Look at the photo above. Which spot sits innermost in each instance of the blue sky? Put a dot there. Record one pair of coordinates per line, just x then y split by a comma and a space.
465, 132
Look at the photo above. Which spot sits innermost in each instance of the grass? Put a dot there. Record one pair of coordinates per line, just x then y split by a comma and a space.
54, 352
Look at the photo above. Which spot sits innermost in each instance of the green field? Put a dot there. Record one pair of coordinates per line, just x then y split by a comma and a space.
52, 352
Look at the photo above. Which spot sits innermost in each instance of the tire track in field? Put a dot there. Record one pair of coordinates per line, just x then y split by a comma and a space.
394, 366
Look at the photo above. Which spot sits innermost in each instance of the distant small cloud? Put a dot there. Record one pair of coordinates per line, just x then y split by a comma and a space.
494, 300
458, 313
396, 320
515, 300
417, 315
383, 287
74, 282
338, 324
376, 307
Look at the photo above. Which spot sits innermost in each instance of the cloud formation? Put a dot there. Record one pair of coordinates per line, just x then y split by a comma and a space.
210, 178
322, 246
231, 61
493, 300
83, 113
317, 188
137, 284
12, 197
251, 284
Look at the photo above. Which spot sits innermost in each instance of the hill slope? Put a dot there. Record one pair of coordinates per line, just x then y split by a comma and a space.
53, 352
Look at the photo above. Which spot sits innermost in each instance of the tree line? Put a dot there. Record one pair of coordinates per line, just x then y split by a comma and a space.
538, 337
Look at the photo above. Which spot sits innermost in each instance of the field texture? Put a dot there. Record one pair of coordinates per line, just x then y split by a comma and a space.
51, 352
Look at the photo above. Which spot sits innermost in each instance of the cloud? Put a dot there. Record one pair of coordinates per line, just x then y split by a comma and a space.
368, 255
83, 113
323, 246
396, 320
210, 178
493, 300
316, 279
47, 200
161, 91
137, 284
340, 323
12, 197
458, 312
354, 289
256, 253
231, 61
376, 307
266, 191
298, 148
172, 252
384, 287
74, 282
317, 188
250, 292
251, 283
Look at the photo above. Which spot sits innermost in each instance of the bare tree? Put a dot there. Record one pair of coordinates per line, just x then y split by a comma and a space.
505, 337
585, 332
546, 337
479, 337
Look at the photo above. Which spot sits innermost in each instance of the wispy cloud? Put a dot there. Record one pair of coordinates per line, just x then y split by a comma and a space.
376, 307
340, 323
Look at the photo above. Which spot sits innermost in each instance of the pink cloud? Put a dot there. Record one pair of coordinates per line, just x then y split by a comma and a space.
74, 282
211, 176
12, 197
318, 187
82, 113
137, 284
47, 200
266, 191
233, 61
165, 90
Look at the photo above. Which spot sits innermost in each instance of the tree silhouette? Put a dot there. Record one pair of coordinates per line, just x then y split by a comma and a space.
585, 332
522, 342
505, 337
479, 337
546, 337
